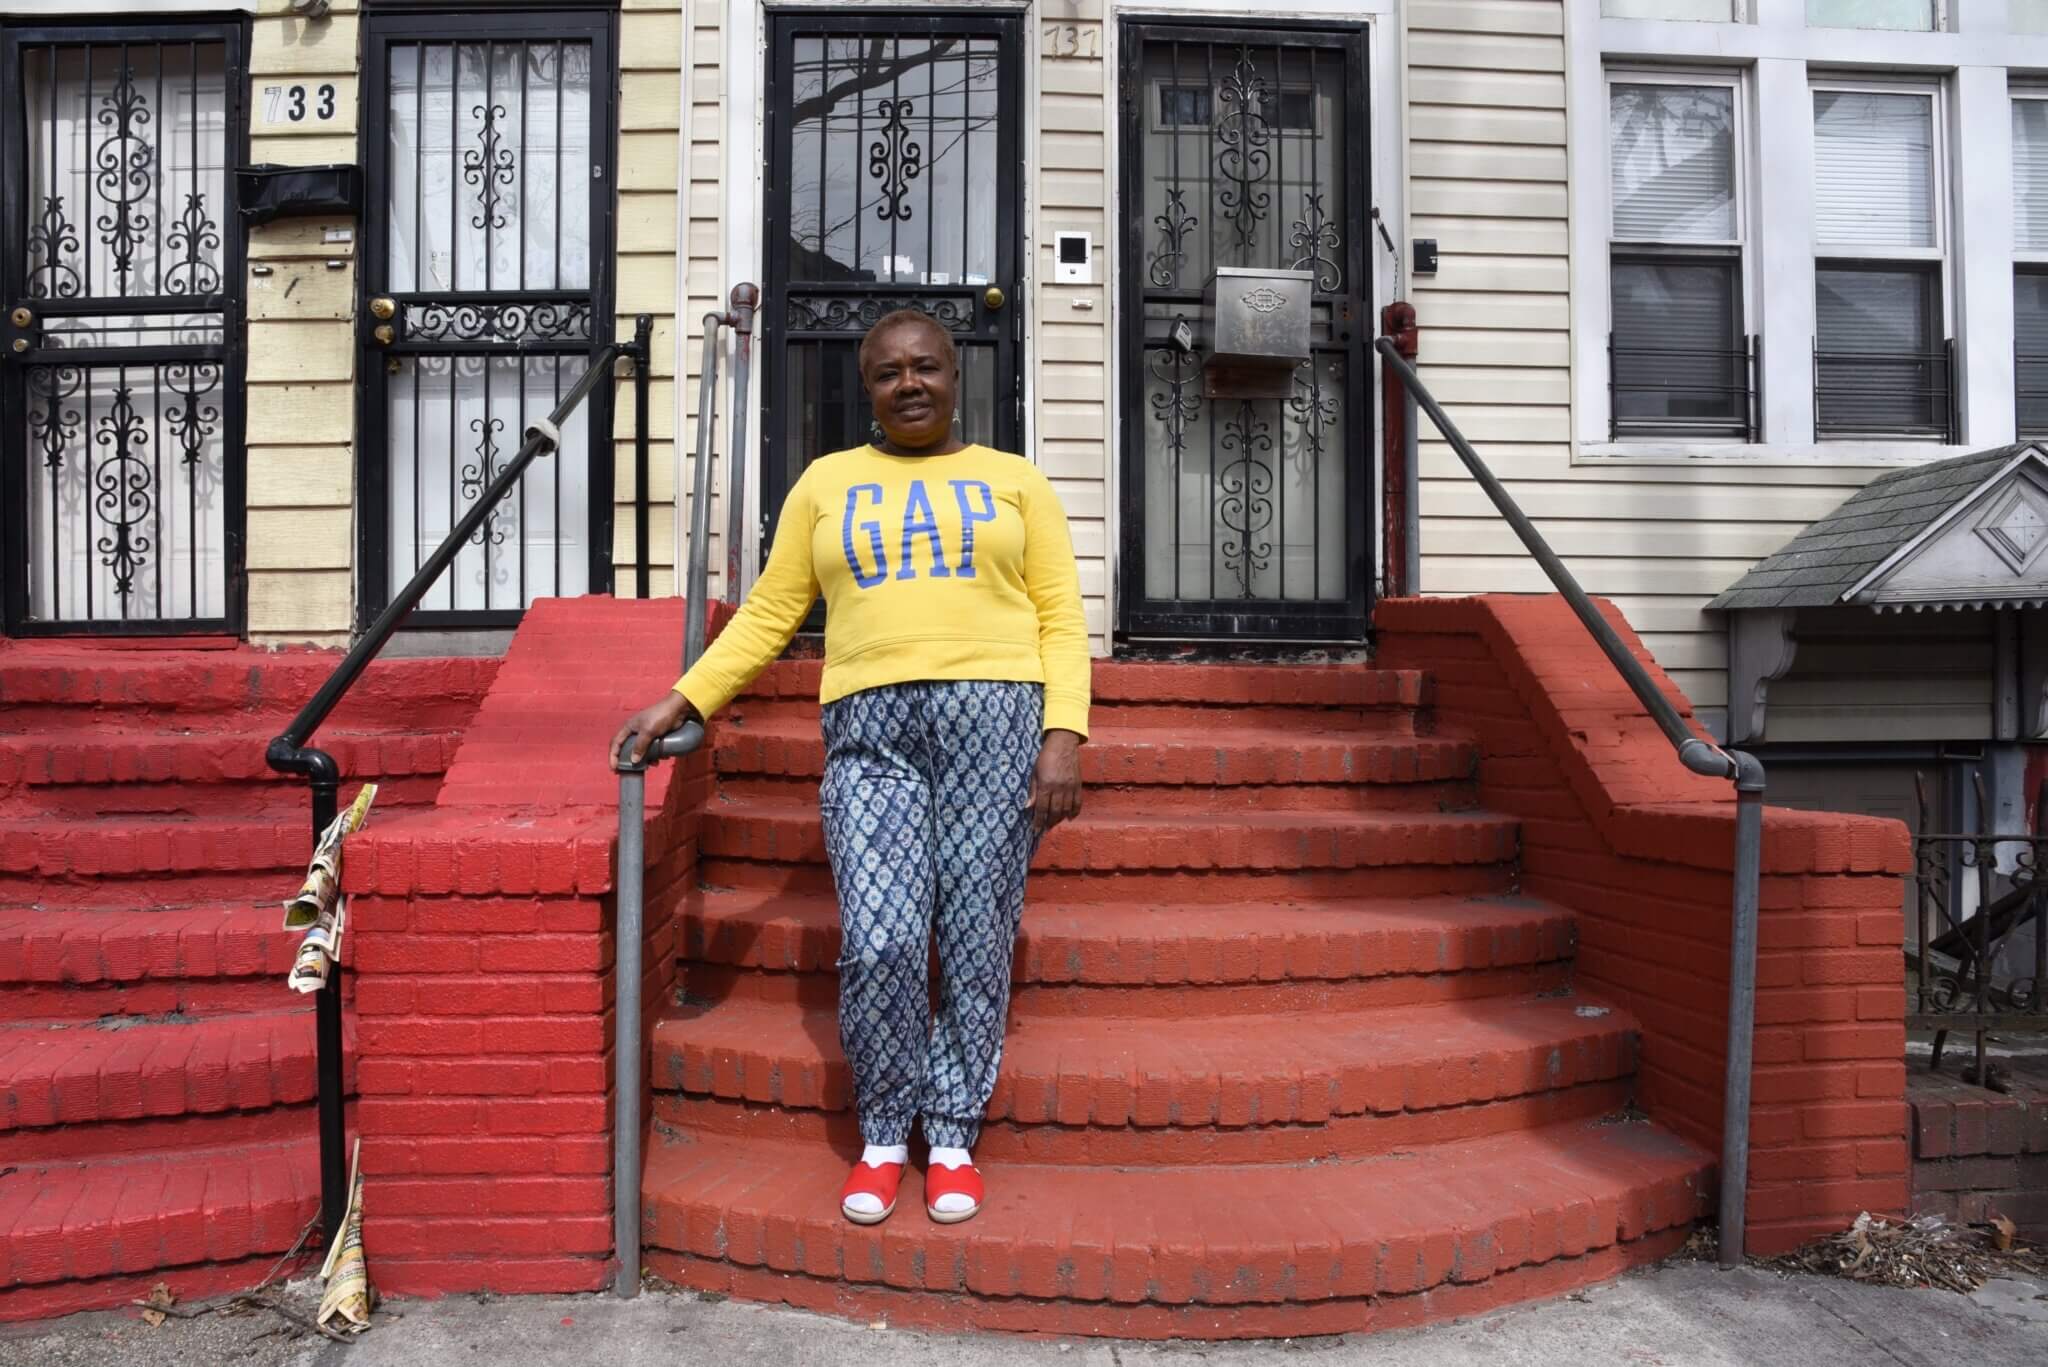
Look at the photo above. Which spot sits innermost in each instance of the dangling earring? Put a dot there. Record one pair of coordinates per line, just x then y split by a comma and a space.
875, 432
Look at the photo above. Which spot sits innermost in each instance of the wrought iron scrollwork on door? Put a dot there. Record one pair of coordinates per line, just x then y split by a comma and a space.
193, 241
488, 167
858, 313
451, 321
1245, 134
124, 487
50, 240
123, 175
1174, 226
895, 159
1314, 235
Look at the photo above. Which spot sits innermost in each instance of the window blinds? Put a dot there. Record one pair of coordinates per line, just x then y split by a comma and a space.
1672, 154
1873, 156
2030, 175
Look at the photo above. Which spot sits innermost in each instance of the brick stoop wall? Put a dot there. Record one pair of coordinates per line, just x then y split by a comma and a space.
1615, 828
481, 964
1979, 1153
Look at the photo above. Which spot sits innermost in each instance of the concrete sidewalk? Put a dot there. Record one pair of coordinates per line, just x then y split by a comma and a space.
1683, 1314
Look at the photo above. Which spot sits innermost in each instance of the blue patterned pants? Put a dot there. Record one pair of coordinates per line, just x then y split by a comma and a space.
923, 803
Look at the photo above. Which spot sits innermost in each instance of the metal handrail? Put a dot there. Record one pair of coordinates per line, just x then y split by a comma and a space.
1700, 756
685, 739
291, 753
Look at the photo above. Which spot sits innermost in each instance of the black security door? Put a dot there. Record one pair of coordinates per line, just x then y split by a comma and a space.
487, 266
120, 345
1244, 518
894, 169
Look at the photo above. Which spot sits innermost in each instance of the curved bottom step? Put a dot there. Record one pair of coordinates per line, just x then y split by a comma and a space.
1208, 1251
1018, 1314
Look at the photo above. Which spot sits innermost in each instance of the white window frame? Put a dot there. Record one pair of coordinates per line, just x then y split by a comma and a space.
1943, 191
2021, 256
1943, 20
1778, 54
1734, 81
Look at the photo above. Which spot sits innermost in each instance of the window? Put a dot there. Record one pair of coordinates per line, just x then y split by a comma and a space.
2027, 16
1882, 363
2030, 273
1919, 16
1678, 358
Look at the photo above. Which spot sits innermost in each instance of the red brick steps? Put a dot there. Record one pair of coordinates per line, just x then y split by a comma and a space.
157, 1078
1287, 1053
1108, 1250
1169, 945
81, 1222
1249, 840
85, 772
1119, 1075
1144, 768
127, 1068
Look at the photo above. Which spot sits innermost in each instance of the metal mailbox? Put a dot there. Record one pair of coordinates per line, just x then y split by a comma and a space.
1260, 332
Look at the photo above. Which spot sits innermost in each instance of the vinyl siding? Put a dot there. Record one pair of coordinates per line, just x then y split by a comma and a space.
1487, 165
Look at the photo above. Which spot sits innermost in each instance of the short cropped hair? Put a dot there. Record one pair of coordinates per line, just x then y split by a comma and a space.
903, 318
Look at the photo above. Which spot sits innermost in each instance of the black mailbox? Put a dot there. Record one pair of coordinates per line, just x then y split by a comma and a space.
269, 192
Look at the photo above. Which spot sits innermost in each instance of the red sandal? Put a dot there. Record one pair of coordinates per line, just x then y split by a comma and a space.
944, 1181
870, 1180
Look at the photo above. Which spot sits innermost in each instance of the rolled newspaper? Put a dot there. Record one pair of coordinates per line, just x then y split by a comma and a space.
349, 1294
323, 876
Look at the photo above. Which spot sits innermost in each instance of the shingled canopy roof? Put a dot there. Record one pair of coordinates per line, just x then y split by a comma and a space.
1827, 562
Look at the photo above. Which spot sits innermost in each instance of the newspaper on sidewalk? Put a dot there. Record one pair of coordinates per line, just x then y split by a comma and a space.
349, 1294
319, 908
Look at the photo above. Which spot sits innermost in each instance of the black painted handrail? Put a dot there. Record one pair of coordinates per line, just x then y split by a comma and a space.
1700, 756
290, 752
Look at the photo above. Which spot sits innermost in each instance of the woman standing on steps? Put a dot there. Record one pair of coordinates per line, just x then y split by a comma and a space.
955, 697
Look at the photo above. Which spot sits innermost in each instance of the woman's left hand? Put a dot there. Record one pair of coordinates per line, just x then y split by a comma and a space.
1055, 782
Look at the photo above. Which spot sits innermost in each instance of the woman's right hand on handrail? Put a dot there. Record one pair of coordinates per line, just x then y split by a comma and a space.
649, 725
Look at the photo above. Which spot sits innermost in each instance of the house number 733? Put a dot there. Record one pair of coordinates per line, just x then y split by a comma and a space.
298, 103
1081, 42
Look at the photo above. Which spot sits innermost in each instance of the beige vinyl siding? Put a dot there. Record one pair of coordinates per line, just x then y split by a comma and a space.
1487, 168
1070, 345
301, 391
707, 195
650, 164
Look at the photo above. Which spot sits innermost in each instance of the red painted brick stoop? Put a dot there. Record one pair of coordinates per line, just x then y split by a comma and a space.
1339, 1008
1641, 849
156, 1077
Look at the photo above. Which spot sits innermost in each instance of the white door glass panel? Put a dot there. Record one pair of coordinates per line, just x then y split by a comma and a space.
489, 148
1873, 169
534, 544
2027, 16
1910, 15
1671, 152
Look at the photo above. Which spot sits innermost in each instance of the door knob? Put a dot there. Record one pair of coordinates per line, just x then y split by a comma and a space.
383, 333
21, 317
383, 306
993, 297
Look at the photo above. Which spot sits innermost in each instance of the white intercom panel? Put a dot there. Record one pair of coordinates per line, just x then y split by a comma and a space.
1073, 259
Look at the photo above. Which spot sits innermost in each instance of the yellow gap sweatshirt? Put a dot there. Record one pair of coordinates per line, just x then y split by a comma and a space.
932, 567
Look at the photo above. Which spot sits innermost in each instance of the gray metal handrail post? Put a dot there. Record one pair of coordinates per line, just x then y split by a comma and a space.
1700, 756
629, 965
697, 585
745, 298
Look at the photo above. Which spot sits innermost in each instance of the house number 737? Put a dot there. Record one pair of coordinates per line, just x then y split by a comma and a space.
1075, 41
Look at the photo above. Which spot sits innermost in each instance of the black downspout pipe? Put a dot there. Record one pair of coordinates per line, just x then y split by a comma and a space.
325, 775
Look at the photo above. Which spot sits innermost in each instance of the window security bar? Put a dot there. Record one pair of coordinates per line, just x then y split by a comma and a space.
1886, 394
1731, 408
